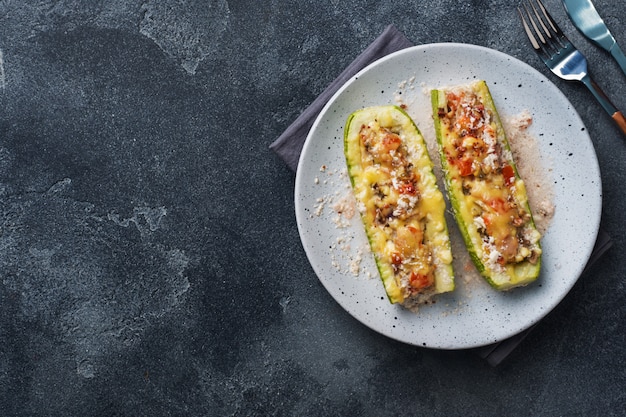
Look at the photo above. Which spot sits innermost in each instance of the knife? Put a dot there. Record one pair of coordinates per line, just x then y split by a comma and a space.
588, 21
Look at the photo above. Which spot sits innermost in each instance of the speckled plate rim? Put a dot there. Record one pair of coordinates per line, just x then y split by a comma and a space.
473, 315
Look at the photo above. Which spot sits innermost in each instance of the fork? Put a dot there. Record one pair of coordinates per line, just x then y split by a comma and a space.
560, 55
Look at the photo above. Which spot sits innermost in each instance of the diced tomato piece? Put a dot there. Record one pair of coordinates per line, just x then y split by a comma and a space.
407, 188
391, 141
419, 281
452, 97
487, 220
509, 174
498, 204
396, 258
465, 166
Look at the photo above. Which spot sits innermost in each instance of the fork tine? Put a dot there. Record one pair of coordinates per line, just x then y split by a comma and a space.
534, 23
529, 32
551, 37
550, 20
543, 45
540, 19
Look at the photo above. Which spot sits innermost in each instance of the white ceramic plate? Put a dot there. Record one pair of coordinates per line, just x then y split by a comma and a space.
474, 314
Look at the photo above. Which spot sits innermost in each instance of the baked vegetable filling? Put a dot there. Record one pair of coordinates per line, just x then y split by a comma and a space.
400, 204
491, 202
394, 206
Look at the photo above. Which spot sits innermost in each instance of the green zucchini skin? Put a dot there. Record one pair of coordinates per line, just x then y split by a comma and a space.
500, 275
431, 202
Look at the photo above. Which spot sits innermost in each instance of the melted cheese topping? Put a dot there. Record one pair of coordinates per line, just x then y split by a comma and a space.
494, 205
402, 208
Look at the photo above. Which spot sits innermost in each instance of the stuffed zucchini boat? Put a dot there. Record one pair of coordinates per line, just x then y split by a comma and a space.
487, 195
400, 204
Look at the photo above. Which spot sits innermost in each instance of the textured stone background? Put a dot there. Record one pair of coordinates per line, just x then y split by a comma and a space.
150, 262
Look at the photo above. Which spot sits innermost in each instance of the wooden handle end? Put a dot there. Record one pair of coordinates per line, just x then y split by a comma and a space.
620, 120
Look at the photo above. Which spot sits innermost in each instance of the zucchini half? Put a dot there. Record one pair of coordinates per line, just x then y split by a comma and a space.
400, 204
488, 197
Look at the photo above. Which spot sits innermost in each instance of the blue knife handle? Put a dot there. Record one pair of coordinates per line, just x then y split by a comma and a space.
619, 57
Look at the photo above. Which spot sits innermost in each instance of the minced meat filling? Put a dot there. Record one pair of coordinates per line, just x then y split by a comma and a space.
488, 180
394, 204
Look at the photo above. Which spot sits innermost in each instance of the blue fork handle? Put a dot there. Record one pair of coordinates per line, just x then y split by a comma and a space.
602, 98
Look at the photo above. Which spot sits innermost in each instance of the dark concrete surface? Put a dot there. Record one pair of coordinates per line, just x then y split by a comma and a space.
150, 263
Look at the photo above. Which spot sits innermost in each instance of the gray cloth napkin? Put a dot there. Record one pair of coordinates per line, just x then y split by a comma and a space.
289, 146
